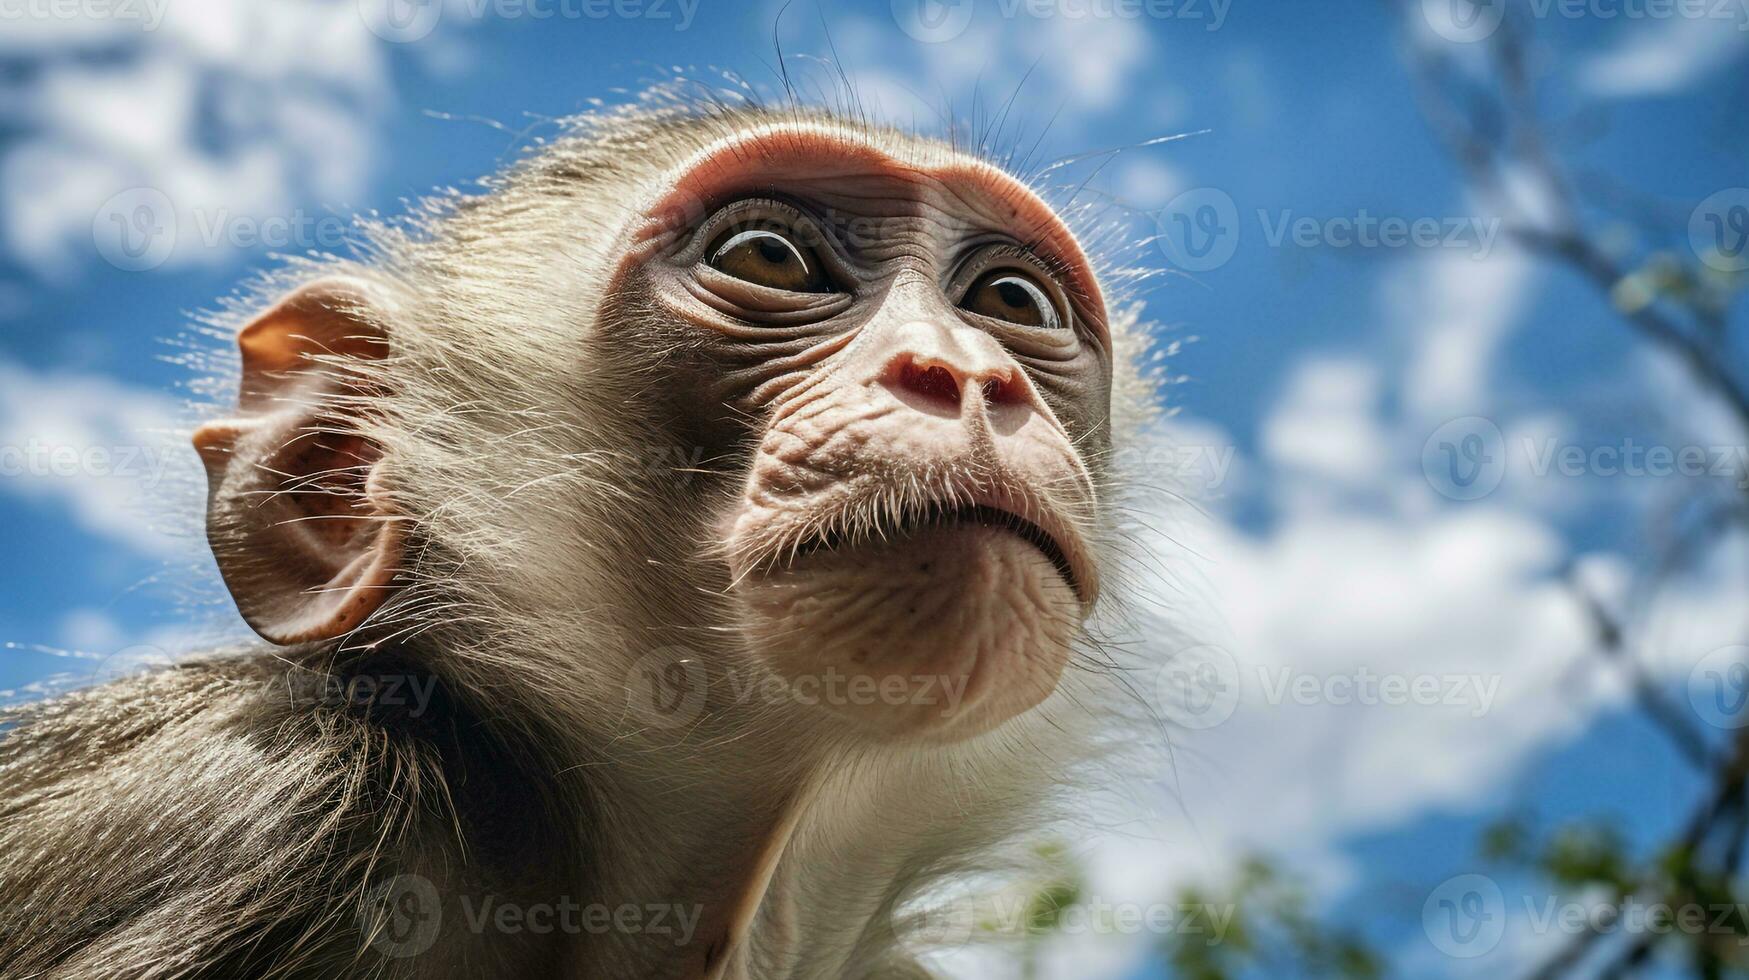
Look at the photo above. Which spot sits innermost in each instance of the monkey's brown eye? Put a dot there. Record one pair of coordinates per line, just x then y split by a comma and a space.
767, 258
1013, 297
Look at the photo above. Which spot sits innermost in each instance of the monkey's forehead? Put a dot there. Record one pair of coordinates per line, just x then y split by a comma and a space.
765, 153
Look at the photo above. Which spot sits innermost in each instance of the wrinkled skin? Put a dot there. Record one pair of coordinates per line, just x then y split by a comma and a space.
886, 396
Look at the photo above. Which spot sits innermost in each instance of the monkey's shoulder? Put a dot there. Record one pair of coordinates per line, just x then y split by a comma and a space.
240, 815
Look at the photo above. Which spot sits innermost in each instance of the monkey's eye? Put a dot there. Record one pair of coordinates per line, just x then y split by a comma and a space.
1013, 297
766, 257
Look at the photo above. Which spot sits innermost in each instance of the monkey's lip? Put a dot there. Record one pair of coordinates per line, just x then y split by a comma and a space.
946, 515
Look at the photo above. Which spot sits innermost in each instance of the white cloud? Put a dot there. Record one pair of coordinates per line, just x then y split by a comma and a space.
235, 112
1331, 607
1464, 602
1366, 573
1692, 414
1091, 61
107, 452
1668, 56
91, 629
1325, 427
1086, 64
1457, 309
1363, 577
1148, 183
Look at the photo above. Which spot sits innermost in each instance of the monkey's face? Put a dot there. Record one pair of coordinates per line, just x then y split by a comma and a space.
887, 366
914, 359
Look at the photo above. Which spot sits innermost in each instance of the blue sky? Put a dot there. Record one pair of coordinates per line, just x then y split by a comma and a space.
1313, 377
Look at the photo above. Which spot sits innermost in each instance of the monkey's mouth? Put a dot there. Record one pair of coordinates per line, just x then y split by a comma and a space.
908, 524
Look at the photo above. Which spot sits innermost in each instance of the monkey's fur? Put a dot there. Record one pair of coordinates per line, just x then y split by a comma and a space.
217, 819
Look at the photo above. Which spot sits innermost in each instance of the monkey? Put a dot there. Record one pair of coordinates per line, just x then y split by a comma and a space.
669, 561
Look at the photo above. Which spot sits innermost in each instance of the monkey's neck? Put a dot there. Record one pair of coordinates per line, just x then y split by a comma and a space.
782, 849
709, 851
774, 870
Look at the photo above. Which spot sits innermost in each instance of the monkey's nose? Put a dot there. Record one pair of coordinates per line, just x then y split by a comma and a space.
941, 382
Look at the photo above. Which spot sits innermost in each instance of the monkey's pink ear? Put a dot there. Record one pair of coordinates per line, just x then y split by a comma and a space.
296, 511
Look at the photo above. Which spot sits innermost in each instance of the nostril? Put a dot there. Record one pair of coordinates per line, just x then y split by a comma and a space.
1002, 391
933, 382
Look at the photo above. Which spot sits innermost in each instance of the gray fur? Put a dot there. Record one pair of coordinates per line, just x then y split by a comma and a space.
217, 820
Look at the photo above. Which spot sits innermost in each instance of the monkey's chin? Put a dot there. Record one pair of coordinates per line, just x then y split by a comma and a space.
941, 634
